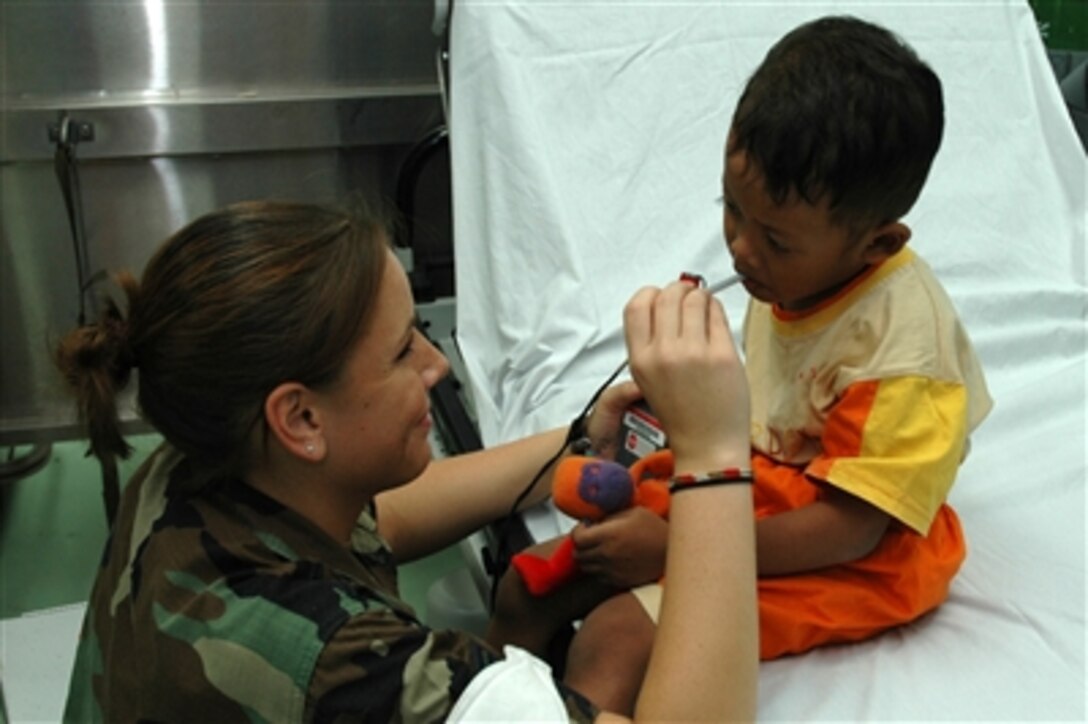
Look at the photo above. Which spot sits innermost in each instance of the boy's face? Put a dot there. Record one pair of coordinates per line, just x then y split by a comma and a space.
789, 254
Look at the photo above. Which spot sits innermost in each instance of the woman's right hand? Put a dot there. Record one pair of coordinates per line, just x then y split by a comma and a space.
705, 657
684, 360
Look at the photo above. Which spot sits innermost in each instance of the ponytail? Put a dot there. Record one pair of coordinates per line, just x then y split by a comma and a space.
96, 361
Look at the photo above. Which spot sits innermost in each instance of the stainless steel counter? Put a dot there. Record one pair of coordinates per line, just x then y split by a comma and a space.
192, 106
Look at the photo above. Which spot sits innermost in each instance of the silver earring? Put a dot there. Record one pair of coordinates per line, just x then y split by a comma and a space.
311, 448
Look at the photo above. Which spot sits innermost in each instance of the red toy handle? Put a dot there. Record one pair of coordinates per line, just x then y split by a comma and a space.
544, 575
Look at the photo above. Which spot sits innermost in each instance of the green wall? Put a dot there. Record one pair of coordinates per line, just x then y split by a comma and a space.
1062, 23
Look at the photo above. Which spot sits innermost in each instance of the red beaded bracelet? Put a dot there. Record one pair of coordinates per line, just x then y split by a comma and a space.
729, 476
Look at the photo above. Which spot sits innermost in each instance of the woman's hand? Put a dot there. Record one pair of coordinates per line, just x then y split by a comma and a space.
705, 658
683, 358
603, 425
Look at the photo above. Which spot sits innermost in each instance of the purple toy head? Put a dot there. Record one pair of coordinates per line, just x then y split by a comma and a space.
605, 484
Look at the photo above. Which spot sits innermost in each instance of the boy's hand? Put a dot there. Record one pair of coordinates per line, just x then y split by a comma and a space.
623, 550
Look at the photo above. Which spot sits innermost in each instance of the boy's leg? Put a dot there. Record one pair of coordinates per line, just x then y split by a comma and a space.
609, 654
904, 578
531, 622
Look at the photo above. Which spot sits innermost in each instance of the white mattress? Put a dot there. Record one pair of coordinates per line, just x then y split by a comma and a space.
37, 651
586, 142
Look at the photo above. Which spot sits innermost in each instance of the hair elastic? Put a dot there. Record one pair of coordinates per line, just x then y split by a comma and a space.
728, 476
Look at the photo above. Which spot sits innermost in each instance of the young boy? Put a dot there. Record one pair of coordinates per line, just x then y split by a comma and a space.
864, 385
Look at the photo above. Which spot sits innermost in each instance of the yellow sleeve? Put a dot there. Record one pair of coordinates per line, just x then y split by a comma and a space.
897, 444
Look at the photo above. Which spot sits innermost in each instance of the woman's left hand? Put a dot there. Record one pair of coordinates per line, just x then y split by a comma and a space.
603, 425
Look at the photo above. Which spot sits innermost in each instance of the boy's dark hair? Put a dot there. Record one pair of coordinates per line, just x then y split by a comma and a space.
843, 108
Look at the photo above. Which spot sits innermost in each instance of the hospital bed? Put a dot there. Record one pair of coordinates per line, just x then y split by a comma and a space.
586, 145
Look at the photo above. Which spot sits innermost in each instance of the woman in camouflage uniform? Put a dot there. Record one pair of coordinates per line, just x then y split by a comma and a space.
251, 571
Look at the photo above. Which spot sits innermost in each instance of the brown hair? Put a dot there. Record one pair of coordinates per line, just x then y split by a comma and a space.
232, 305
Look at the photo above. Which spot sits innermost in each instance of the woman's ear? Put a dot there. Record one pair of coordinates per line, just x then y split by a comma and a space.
295, 421
886, 241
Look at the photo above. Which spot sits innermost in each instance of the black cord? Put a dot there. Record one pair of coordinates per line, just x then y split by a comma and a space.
67, 173
575, 433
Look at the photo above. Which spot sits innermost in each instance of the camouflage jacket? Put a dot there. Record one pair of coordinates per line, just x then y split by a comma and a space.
224, 605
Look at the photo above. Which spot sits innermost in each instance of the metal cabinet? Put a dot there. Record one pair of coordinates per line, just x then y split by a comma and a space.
185, 107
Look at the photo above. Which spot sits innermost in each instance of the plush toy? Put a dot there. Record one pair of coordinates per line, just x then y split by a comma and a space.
590, 489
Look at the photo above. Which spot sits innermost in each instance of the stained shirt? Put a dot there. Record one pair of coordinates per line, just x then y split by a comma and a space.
874, 391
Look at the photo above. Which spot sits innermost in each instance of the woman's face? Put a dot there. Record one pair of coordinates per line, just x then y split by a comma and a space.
377, 416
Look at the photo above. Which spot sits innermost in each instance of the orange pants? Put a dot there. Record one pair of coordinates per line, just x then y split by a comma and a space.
906, 576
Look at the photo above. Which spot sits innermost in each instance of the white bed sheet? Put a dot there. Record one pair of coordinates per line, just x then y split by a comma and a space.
586, 142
